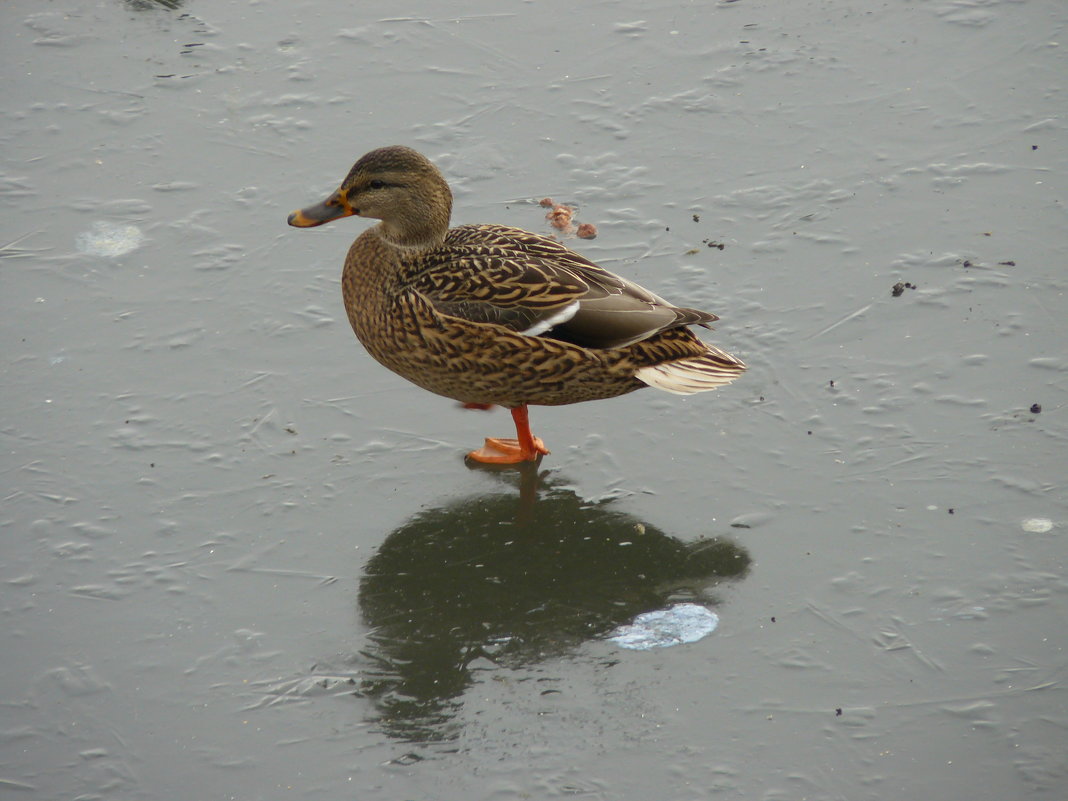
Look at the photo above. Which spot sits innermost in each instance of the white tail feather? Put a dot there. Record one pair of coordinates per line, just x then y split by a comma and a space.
697, 374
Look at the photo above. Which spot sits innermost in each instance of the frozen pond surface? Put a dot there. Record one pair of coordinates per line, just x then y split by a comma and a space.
241, 560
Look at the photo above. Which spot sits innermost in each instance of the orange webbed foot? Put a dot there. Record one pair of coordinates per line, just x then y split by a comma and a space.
501, 450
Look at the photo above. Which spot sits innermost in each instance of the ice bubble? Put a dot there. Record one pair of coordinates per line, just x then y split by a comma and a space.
1037, 525
665, 627
109, 239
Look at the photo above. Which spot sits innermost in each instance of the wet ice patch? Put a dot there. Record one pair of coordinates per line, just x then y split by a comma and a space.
666, 627
109, 239
1037, 525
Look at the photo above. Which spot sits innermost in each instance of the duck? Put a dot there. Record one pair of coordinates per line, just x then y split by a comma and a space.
491, 315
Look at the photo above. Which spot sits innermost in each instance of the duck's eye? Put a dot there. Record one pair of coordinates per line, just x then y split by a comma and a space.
376, 184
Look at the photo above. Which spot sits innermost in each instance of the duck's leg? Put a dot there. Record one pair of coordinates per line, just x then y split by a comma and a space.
526, 448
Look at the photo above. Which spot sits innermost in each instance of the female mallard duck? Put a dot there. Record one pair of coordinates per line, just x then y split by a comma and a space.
492, 315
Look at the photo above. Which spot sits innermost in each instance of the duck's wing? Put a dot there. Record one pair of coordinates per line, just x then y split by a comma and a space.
537, 287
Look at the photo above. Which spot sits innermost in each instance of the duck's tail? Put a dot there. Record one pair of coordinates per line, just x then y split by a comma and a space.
716, 368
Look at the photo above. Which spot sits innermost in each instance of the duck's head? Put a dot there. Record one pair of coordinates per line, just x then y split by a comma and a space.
396, 185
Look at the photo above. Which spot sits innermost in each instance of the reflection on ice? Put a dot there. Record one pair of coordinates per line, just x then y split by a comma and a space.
664, 627
504, 581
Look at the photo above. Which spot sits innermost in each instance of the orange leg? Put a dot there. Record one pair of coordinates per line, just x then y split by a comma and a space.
526, 448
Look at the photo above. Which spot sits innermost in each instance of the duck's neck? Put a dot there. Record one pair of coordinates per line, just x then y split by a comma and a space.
421, 226
410, 238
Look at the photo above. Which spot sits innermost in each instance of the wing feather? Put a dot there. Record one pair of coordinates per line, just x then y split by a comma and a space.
535, 286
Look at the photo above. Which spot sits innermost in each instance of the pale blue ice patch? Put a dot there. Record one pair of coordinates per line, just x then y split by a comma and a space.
109, 239
665, 627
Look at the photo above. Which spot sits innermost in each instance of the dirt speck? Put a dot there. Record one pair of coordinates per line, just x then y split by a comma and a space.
898, 289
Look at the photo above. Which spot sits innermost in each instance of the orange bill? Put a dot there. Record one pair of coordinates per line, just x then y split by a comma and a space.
333, 208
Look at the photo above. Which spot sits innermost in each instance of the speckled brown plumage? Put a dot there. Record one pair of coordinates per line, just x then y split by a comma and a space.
488, 314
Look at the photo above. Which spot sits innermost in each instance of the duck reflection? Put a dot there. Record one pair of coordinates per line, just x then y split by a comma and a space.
495, 580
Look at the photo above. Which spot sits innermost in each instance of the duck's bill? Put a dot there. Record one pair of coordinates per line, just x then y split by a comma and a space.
333, 208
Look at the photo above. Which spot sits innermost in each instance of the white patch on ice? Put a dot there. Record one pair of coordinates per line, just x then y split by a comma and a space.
665, 627
109, 239
1037, 525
